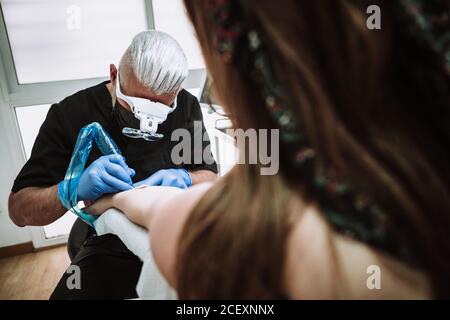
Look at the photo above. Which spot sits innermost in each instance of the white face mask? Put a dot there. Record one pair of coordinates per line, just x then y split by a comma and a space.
149, 113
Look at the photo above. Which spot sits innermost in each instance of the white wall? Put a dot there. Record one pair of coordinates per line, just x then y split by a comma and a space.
10, 234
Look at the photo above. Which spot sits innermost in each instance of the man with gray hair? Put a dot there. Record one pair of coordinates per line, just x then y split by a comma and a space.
141, 105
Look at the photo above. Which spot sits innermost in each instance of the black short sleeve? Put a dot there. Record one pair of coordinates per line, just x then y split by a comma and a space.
195, 122
50, 155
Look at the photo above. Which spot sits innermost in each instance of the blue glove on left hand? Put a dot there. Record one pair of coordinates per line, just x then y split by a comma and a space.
178, 178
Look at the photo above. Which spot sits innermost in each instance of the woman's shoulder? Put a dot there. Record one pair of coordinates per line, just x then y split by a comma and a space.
323, 264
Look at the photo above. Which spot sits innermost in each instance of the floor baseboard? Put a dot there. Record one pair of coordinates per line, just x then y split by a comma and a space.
16, 249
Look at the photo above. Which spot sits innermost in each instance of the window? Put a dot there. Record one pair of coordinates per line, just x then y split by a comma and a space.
30, 120
56, 40
170, 16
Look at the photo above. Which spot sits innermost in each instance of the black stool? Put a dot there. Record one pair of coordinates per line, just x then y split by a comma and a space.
79, 233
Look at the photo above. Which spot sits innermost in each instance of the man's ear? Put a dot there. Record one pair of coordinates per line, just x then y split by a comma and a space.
113, 74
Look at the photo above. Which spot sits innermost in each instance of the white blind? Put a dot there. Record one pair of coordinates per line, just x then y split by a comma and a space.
53, 40
170, 16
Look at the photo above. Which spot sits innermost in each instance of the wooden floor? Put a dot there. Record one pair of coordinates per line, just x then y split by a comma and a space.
32, 275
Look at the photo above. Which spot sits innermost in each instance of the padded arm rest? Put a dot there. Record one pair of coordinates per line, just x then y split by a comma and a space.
151, 284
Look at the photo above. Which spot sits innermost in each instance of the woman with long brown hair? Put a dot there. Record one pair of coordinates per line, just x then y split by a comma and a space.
364, 184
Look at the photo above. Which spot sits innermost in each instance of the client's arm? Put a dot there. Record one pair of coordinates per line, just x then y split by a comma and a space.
140, 205
163, 211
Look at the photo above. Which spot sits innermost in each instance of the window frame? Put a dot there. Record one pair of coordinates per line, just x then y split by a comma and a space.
43, 92
14, 95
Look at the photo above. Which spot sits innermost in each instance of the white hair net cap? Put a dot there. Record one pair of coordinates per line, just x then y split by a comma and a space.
157, 60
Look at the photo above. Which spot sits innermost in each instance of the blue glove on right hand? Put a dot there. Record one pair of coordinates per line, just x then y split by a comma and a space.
107, 174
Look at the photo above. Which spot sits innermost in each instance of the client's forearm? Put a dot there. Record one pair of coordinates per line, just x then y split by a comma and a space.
141, 205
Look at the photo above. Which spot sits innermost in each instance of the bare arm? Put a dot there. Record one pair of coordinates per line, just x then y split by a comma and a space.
35, 206
200, 176
140, 205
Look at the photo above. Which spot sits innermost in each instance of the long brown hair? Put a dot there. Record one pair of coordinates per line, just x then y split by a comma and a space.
373, 103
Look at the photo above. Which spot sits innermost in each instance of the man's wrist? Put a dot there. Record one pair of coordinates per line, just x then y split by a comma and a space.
60, 193
116, 198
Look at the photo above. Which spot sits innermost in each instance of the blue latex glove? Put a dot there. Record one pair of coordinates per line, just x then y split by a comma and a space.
179, 178
107, 174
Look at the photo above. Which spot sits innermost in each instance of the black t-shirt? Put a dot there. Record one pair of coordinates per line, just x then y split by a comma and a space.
55, 142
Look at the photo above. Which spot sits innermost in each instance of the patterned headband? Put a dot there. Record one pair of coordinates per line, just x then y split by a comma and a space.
431, 22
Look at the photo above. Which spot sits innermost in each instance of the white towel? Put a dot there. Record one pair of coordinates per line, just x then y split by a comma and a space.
151, 284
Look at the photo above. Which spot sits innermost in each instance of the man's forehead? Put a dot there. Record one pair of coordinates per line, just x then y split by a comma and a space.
131, 86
